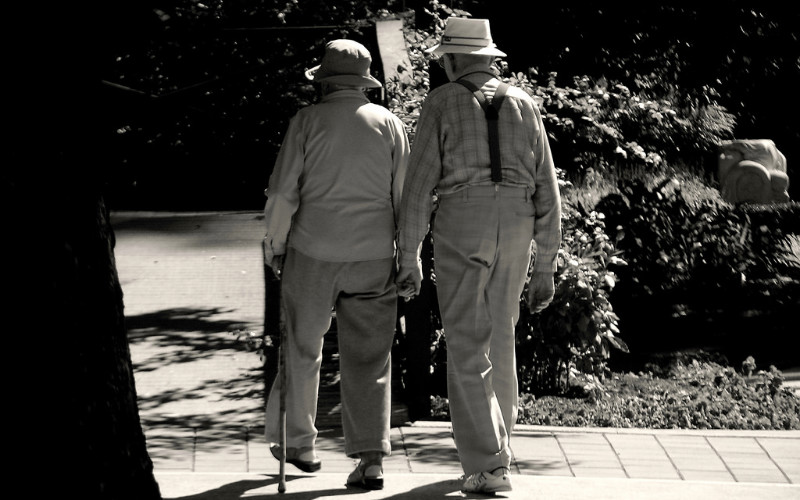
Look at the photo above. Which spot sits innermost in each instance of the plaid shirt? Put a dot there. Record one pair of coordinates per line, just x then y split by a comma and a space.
451, 152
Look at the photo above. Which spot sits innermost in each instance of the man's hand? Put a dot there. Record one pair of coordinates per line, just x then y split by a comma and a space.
409, 281
540, 291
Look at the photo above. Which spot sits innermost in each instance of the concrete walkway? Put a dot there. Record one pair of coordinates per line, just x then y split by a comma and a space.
193, 283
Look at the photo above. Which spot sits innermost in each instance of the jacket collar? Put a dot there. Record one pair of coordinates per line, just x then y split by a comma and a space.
345, 94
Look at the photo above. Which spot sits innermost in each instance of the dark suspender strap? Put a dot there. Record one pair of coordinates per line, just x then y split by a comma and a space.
492, 113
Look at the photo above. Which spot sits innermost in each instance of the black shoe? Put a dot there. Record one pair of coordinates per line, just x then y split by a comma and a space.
303, 458
368, 477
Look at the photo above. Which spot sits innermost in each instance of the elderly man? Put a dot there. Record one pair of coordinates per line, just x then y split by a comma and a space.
493, 174
330, 216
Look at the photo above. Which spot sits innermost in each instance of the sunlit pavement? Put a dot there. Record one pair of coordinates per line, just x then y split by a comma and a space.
191, 281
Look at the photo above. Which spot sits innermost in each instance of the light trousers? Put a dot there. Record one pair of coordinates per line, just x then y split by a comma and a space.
482, 249
365, 300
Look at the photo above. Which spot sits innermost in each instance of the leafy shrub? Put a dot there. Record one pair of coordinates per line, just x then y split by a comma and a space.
688, 393
696, 396
774, 232
593, 126
696, 266
666, 237
593, 123
579, 328
600, 124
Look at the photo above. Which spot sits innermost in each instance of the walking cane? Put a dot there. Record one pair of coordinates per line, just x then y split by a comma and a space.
282, 374
281, 369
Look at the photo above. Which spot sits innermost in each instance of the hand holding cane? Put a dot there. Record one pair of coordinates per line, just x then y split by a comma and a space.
276, 273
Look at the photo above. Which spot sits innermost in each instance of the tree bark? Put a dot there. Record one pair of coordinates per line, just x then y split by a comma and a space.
74, 424
75, 397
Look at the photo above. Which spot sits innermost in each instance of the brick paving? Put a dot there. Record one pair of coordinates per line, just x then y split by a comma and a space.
191, 281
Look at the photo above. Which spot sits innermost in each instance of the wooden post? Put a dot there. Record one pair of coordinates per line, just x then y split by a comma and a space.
393, 51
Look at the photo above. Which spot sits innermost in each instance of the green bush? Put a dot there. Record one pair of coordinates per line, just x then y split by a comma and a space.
579, 329
600, 124
593, 124
683, 392
700, 270
688, 257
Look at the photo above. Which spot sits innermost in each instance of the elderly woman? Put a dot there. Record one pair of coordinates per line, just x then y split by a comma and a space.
331, 214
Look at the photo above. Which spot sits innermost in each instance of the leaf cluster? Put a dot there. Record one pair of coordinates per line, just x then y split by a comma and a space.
692, 393
580, 328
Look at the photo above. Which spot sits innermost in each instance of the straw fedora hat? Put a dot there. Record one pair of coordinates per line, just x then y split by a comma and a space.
345, 62
466, 36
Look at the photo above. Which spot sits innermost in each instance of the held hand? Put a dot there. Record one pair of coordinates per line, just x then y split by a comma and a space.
409, 282
273, 261
277, 265
540, 291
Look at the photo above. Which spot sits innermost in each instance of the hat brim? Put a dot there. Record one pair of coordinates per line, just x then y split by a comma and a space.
461, 49
352, 80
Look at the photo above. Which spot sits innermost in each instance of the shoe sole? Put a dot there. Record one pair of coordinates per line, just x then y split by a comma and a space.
373, 484
490, 491
305, 466
500, 489
368, 484
300, 464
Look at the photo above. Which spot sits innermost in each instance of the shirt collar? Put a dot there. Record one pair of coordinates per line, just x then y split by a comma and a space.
475, 68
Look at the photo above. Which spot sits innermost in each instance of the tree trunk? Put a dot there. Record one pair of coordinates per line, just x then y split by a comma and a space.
75, 397
74, 424
83, 420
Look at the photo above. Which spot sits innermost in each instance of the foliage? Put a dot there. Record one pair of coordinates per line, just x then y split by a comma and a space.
693, 393
651, 126
592, 123
591, 126
742, 56
664, 236
204, 87
697, 262
197, 85
579, 328
774, 231
600, 124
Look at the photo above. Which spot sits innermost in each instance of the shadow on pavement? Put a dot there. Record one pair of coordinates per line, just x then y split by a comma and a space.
180, 343
165, 324
267, 488
245, 488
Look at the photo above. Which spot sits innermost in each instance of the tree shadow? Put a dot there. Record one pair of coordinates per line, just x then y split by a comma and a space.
242, 488
443, 489
179, 320
172, 224
194, 331
182, 336
421, 449
238, 489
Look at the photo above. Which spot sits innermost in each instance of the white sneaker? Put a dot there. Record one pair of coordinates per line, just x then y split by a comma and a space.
488, 482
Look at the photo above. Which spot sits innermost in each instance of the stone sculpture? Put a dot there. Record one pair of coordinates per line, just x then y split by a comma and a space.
752, 171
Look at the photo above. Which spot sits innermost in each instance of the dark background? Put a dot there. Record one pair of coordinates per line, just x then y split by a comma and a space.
196, 102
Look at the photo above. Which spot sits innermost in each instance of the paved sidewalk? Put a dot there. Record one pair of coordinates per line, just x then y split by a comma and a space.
190, 281
551, 463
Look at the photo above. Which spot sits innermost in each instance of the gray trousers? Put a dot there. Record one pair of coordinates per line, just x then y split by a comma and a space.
365, 299
482, 249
